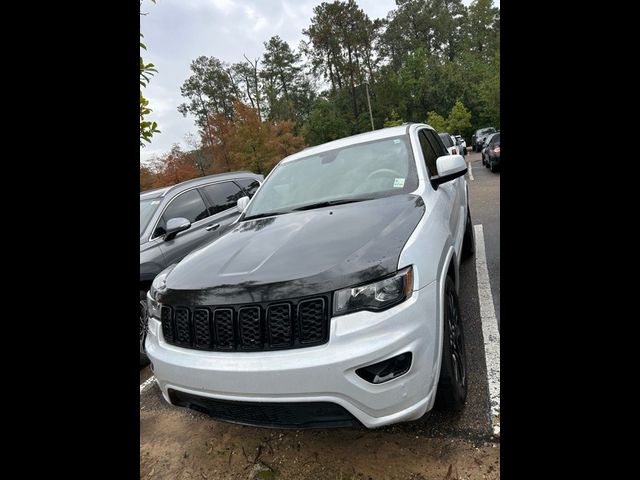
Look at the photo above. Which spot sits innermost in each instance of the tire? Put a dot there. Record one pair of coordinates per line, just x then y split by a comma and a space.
144, 360
469, 239
493, 167
452, 386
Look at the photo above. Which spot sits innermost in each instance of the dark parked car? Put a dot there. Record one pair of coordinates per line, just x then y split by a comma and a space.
491, 153
476, 138
176, 220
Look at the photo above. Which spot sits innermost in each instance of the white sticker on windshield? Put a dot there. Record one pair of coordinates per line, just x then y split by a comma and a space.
396, 141
398, 183
155, 202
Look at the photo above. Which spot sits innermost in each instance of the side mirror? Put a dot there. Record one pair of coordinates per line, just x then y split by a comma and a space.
449, 167
242, 204
175, 226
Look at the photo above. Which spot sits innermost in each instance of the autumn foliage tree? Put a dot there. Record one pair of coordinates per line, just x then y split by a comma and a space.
173, 167
147, 178
248, 143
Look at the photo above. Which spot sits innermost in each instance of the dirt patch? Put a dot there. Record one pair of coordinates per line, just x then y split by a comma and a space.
180, 444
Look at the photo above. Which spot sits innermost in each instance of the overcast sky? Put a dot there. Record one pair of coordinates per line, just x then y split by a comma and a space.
177, 31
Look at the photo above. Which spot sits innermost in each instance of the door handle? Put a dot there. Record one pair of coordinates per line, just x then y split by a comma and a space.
212, 227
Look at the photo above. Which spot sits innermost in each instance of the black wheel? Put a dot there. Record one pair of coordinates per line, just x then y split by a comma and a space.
452, 386
493, 167
144, 360
486, 163
469, 240
482, 159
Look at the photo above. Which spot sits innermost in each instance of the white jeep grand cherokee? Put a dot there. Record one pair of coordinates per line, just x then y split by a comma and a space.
333, 298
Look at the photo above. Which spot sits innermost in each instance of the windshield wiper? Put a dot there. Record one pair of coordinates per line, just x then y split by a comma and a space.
266, 214
329, 203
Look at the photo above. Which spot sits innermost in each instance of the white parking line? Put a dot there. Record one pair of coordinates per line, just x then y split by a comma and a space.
146, 384
490, 330
470, 171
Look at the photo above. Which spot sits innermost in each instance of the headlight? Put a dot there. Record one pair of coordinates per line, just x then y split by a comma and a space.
153, 306
377, 296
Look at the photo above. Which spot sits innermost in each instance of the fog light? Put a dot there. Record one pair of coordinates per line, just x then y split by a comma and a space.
387, 369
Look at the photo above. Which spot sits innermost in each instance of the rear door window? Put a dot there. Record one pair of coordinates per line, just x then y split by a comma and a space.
222, 196
250, 185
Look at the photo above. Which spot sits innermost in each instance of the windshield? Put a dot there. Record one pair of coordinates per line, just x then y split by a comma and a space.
495, 138
446, 139
356, 172
148, 207
486, 131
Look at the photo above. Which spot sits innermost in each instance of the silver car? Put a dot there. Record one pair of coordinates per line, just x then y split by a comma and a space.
333, 299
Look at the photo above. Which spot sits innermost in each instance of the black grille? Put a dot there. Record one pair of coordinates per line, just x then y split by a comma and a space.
253, 327
202, 337
224, 328
183, 329
279, 324
310, 313
166, 316
268, 414
250, 328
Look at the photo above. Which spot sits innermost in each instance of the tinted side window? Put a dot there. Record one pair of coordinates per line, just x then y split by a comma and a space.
188, 205
428, 153
437, 144
222, 196
250, 186
446, 139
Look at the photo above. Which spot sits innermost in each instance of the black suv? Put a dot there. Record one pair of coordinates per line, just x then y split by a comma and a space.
476, 138
176, 220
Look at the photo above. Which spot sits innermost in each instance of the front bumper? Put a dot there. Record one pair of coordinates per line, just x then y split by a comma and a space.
325, 373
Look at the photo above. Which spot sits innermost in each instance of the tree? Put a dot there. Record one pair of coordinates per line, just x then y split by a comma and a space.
147, 128
147, 178
325, 123
289, 91
435, 25
436, 121
211, 90
482, 29
249, 143
174, 167
459, 120
341, 36
247, 76
394, 120
198, 154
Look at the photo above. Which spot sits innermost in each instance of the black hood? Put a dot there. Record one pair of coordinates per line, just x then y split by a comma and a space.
297, 254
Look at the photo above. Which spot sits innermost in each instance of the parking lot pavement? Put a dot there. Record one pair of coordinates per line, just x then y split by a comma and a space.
178, 443
484, 190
